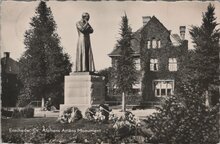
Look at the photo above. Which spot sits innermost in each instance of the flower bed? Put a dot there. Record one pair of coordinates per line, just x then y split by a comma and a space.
95, 130
71, 114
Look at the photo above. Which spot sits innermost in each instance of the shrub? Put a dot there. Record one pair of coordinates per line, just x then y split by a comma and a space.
105, 110
12, 138
6, 113
23, 99
126, 125
178, 122
69, 115
100, 114
90, 113
28, 112
17, 113
38, 134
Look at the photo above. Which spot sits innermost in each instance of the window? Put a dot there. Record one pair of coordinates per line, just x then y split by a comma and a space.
137, 64
158, 44
169, 91
157, 92
136, 88
163, 92
163, 87
148, 44
115, 61
154, 43
9, 68
154, 65
172, 64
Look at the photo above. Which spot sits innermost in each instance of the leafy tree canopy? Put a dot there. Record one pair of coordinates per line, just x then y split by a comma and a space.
43, 64
205, 60
125, 71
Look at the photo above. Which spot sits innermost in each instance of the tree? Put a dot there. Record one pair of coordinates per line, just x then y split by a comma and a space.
125, 69
43, 64
176, 123
205, 59
108, 73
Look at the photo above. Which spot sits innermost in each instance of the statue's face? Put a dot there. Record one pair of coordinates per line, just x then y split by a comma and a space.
86, 16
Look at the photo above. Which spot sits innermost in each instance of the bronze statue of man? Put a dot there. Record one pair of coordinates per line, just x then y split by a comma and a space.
84, 57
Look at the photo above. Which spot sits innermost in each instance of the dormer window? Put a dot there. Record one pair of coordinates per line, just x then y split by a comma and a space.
154, 43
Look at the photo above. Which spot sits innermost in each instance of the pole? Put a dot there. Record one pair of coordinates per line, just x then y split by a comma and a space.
42, 103
123, 102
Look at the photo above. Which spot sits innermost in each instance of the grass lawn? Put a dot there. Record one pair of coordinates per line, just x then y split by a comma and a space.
23, 130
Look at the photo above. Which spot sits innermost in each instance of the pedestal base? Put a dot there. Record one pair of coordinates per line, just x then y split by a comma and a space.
82, 90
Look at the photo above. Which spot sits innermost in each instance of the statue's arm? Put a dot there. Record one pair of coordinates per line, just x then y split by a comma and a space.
86, 28
80, 27
90, 29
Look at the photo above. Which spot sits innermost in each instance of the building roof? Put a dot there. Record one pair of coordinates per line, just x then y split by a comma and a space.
175, 39
115, 52
135, 42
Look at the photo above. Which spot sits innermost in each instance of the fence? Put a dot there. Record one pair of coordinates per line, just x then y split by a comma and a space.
133, 101
35, 104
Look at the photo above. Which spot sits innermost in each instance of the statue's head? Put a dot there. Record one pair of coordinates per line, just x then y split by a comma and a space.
85, 16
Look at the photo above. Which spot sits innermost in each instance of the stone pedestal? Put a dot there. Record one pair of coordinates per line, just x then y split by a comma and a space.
82, 90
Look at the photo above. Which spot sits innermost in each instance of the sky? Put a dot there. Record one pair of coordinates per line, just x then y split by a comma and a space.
105, 18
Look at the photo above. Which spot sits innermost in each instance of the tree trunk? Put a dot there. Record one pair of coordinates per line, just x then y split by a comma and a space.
42, 102
207, 98
123, 102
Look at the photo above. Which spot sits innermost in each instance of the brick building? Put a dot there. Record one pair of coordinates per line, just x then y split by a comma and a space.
157, 54
10, 83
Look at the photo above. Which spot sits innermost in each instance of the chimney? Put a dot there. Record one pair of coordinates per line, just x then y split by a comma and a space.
146, 19
7, 54
182, 32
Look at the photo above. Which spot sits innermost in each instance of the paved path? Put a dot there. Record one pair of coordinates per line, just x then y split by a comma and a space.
40, 113
138, 113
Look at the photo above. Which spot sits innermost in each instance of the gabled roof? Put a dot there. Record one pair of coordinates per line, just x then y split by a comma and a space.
116, 52
135, 42
156, 20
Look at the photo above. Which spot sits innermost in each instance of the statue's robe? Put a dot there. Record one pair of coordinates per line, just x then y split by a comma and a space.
84, 57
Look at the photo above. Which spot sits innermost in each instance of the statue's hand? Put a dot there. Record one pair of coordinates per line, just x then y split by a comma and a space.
86, 22
86, 25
